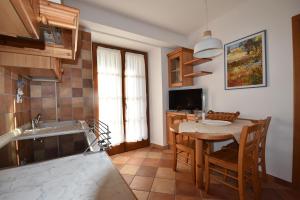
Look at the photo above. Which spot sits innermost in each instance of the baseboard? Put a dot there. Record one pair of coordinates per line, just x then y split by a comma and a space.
279, 181
158, 146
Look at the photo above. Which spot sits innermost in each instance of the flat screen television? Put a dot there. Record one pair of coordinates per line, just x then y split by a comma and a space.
190, 99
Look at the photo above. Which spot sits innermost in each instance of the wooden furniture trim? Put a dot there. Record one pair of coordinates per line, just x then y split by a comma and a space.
189, 151
28, 15
61, 16
184, 55
22, 60
197, 61
226, 116
178, 50
32, 64
200, 138
48, 51
296, 121
246, 159
173, 55
56, 66
198, 73
125, 146
21, 43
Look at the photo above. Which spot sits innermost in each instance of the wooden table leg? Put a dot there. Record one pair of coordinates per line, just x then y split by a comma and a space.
199, 163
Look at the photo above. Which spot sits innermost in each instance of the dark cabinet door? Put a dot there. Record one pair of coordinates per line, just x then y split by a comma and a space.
22, 152
72, 144
25, 151
45, 148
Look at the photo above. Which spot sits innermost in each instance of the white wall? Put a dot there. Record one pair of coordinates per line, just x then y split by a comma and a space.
165, 90
275, 100
155, 97
104, 17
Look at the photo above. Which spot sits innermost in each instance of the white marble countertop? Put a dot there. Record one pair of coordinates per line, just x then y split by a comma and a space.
85, 176
54, 129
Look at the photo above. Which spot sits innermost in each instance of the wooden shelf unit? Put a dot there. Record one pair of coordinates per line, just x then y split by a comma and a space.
197, 61
65, 17
177, 70
34, 56
198, 73
32, 65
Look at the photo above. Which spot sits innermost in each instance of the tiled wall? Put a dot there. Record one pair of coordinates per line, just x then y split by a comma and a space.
74, 92
12, 114
43, 99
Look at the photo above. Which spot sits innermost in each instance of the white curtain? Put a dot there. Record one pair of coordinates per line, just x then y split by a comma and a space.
109, 69
136, 102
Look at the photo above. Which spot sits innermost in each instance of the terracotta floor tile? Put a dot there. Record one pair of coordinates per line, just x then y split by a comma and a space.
160, 196
141, 183
167, 156
168, 151
128, 178
129, 169
154, 149
147, 171
166, 163
128, 153
147, 149
120, 159
184, 176
151, 162
119, 166
141, 195
184, 197
156, 155
140, 154
273, 194
219, 191
289, 194
144, 164
135, 161
163, 186
187, 189
163, 172
183, 167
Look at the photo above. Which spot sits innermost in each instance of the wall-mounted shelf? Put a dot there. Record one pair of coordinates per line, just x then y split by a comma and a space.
198, 73
197, 61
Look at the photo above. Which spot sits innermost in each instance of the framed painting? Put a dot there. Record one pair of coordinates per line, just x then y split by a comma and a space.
245, 62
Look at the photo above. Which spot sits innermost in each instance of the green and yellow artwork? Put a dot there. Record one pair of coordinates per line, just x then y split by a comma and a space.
245, 62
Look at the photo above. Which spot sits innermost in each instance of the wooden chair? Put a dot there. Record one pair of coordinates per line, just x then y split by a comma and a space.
238, 165
262, 145
225, 116
184, 149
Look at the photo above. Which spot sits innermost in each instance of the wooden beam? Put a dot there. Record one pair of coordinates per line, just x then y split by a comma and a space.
21, 42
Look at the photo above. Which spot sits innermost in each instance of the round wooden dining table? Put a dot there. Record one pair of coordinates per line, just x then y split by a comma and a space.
207, 133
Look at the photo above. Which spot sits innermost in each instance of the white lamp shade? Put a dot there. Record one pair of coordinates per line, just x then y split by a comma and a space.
208, 47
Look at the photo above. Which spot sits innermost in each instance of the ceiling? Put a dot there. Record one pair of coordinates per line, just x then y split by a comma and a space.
179, 16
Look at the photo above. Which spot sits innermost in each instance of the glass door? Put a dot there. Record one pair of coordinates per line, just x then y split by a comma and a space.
175, 70
121, 98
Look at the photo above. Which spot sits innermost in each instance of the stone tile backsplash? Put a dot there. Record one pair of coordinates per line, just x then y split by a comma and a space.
74, 92
12, 114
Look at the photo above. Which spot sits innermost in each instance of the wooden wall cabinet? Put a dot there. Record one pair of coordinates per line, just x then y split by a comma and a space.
171, 119
181, 63
177, 69
30, 18
32, 65
19, 18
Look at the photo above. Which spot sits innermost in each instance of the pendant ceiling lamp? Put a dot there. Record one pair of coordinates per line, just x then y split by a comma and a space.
208, 47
